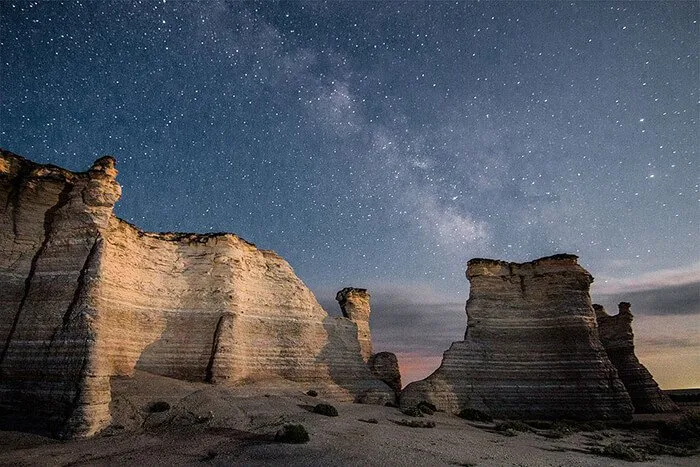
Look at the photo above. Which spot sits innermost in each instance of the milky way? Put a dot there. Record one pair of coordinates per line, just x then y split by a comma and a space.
382, 144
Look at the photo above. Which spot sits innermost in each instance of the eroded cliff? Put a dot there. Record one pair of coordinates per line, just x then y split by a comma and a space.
531, 349
88, 297
618, 339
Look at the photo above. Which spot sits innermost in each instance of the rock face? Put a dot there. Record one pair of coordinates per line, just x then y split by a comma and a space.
385, 366
618, 339
531, 349
354, 304
87, 297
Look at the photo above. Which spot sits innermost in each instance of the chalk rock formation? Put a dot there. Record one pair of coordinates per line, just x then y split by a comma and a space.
385, 366
531, 349
87, 297
618, 339
354, 304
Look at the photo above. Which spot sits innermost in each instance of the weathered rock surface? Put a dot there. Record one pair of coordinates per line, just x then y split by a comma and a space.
385, 366
618, 339
354, 304
531, 349
87, 297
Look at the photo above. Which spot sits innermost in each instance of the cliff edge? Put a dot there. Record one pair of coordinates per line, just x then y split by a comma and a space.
88, 297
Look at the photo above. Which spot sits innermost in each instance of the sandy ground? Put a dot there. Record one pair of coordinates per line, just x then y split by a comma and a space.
214, 425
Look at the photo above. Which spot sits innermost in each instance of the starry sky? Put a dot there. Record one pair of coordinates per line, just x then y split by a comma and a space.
384, 144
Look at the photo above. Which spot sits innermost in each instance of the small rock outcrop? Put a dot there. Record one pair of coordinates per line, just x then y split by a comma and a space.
531, 349
354, 304
618, 339
385, 367
87, 297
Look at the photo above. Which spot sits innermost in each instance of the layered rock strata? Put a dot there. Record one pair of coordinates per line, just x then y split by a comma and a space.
531, 349
88, 297
385, 366
354, 303
618, 339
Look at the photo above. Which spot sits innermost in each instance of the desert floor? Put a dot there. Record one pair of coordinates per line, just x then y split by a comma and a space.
215, 425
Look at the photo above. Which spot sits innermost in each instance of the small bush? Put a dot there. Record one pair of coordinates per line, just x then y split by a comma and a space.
160, 406
513, 425
294, 434
685, 431
618, 450
667, 450
325, 409
589, 426
540, 424
427, 408
416, 423
369, 420
311, 393
412, 412
474, 415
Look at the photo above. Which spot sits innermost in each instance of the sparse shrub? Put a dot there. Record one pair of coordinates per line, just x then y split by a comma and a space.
514, 425
326, 409
311, 393
474, 415
427, 408
294, 434
667, 450
160, 406
618, 450
540, 424
589, 426
416, 423
368, 420
685, 431
412, 412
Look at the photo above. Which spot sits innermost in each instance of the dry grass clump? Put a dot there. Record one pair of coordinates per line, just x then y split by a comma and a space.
160, 406
475, 415
325, 409
416, 423
294, 434
618, 450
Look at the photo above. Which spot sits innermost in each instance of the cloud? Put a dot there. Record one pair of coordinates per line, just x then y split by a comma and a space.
672, 300
651, 280
665, 292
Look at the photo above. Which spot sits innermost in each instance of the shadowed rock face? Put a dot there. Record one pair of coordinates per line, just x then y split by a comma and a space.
618, 339
531, 349
354, 303
385, 366
87, 297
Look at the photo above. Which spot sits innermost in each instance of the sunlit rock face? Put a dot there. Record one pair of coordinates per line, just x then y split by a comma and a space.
87, 297
531, 349
354, 303
618, 339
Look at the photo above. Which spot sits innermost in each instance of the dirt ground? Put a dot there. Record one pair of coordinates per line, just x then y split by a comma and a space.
215, 425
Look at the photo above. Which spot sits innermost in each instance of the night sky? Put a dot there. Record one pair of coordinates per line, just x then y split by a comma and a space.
384, 144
